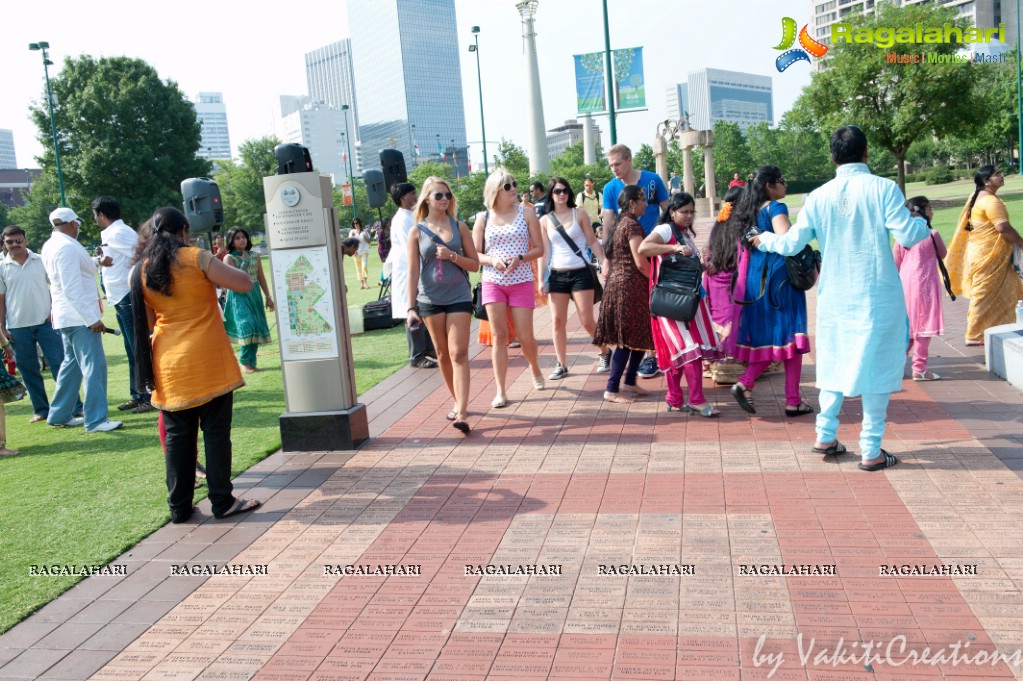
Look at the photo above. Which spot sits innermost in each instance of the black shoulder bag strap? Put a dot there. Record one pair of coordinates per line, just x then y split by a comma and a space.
564, 235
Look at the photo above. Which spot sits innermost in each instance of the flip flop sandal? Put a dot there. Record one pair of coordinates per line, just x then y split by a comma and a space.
240, 506
746, 403
834, 449
451, 416
926, 376
801, 409
461, 425
886, 461
707, 410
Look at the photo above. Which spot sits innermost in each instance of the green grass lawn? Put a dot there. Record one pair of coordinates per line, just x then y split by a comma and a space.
83, 499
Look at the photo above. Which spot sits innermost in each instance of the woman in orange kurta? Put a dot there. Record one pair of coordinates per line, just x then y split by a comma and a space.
189, 366
979, 258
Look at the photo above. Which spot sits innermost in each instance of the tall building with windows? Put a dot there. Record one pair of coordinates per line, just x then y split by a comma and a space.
330, 78
7, 158
562, 137
318, 127
408, 78
981, 13
712, 95
212, 116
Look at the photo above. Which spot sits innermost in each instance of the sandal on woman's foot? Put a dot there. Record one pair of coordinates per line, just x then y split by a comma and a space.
634, 389
886, 460
240, 506
974, 343
677, 407
705, 410
926, 376
498, 402
451, 415
834, 448
801, 409
744, 396
461, 425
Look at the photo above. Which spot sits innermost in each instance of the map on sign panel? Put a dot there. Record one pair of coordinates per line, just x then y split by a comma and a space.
302, 282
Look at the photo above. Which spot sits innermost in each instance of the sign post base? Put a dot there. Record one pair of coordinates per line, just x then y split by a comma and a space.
324, 431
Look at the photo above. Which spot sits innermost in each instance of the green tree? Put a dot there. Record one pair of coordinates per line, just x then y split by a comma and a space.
895, 104
512, 158
34, 216
994, 102
122, 132
241, 183
3, 216
731, 154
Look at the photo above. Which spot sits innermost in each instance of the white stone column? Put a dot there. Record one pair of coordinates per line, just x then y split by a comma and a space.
539, 162
589, 140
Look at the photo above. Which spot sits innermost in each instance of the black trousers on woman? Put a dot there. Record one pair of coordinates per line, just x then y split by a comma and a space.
214, 419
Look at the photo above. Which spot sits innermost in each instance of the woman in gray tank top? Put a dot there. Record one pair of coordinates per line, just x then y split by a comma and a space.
440, 255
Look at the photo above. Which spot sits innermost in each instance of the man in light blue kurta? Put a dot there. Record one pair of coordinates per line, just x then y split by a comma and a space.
862, 324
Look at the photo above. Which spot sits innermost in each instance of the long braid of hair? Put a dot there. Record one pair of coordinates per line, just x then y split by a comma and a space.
982, 175
969, 210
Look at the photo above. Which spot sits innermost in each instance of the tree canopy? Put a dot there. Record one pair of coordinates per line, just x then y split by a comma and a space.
122, 132
241, 183
895, 103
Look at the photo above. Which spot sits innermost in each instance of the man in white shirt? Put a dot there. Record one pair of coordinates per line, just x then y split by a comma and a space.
25, 317
118, 243
76, 314
420, 347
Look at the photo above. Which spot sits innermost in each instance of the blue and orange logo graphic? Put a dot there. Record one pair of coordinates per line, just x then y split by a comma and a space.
808, 46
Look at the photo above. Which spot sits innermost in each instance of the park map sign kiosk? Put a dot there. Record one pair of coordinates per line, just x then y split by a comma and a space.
312, 316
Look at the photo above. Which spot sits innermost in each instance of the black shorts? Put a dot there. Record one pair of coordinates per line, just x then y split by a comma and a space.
428, 310
567, 281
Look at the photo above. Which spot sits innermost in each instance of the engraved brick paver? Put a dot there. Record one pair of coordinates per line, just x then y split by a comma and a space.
666, 534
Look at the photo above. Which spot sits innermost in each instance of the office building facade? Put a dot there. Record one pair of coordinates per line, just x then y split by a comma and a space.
331, 80
318, 127
562, 137
408, 79
981, 13
712, 95
211, 113
7, 157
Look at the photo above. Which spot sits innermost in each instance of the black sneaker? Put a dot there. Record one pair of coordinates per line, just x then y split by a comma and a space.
648, 367
560, 371
604, 362
425, 363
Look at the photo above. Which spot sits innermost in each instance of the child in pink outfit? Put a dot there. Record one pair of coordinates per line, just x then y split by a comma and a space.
922, 287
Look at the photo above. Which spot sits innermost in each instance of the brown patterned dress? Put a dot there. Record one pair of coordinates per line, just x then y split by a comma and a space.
624, 319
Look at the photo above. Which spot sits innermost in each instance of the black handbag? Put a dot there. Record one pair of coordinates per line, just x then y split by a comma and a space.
803, 268
479, 310
677, 292
598, 288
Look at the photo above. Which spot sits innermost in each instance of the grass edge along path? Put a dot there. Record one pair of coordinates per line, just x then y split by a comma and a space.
76, 499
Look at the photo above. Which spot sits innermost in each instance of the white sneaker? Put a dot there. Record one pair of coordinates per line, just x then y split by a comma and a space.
105, 426
70, 423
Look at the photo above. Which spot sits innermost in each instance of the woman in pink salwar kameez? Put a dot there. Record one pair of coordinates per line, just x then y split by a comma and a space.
922, 286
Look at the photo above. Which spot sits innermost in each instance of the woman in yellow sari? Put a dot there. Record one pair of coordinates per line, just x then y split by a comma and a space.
979, 259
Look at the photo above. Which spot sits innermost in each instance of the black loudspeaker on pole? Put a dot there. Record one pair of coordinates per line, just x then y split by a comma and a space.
376, 191
393, 163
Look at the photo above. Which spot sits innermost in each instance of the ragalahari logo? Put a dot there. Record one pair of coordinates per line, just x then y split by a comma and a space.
808, 46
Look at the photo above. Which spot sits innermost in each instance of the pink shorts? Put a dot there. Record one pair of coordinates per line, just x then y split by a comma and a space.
514, 295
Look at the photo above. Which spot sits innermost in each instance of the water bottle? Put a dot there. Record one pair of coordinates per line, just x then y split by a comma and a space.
1019, 311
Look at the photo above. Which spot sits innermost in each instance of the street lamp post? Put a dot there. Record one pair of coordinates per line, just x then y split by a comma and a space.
609, 74
43, 46
351, 177
440, 153
414, 154
479, 80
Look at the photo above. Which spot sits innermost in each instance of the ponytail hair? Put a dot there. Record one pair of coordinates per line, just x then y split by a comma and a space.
983, 174
918, 207
158, 246
628, 194
748, 205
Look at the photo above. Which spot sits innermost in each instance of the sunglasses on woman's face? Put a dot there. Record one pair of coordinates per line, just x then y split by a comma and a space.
557, 191
439, 196
509, 186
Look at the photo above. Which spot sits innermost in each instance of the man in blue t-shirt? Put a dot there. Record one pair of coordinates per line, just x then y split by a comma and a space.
619, 157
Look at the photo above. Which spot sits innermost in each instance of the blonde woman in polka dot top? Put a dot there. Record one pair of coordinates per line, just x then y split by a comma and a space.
507, 237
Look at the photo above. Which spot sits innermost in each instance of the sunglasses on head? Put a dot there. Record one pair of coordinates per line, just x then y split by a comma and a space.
508, 186
437, 196
559, 190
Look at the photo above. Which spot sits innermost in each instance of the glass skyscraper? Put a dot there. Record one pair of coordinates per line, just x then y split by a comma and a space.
408, 80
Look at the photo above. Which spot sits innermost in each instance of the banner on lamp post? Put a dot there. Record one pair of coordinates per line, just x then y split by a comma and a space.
346, 195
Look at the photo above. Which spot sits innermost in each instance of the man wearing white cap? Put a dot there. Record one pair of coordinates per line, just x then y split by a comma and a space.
77, 315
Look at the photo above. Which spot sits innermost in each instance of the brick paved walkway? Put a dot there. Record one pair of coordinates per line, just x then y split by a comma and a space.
560, 479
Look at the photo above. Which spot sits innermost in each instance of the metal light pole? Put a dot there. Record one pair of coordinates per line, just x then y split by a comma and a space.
42, 46
351, 176
479, 80
609, 74
414, 154
1019, 94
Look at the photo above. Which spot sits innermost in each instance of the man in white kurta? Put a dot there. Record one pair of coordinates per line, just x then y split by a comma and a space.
420, 347
862, 324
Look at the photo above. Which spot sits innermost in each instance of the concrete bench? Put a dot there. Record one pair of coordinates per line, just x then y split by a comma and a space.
1003, 352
